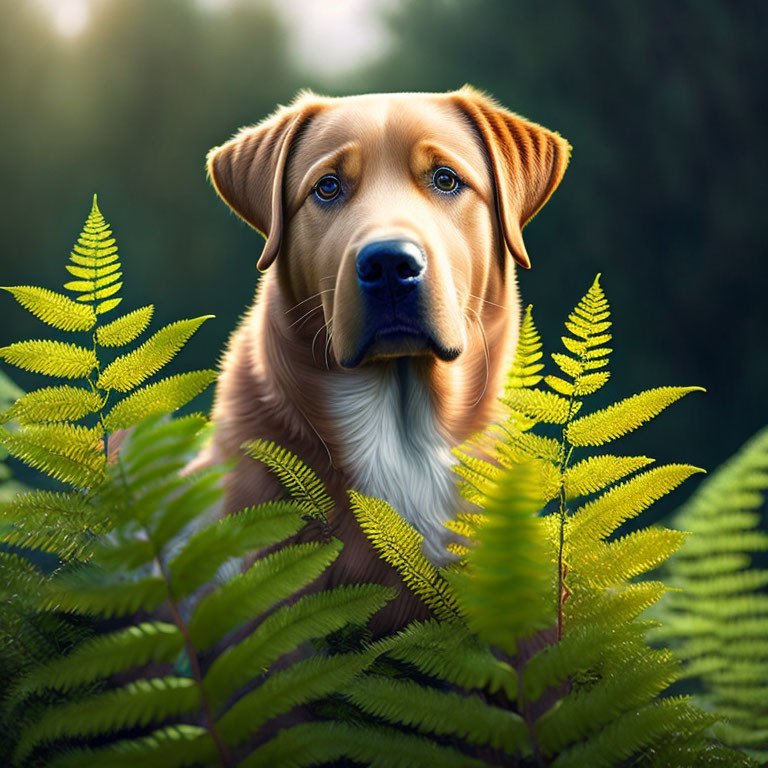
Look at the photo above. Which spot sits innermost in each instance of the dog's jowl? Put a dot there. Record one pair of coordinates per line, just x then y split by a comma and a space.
389, 310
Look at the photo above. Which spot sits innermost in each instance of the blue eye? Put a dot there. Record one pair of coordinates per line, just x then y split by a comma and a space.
445, 180
328, 188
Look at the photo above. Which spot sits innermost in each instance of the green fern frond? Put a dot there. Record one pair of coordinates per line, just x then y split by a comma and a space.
91, 595
618, 606
441, 713
303, 484
164, 396
585, 384
53, 404
233, 536
538, 404
450, 652
283, 690
314, 743
582, 647
506, 592
311, 616
175, 746
268, 581
598, 472
599, 518
589, 319
526, 366
94, 259
54, 308
476, 474
129, 370
620, 418
107, 655
718, 623
518, 447
156, 439
135, 704
125, 329
192, 502
66, 452
627, 557
400, 545
581, 715
634, 732
51, 358
63, 524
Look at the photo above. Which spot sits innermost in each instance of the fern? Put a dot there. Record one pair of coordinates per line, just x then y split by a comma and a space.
50, 415
400, 545
155, 559
125, 329
141, 647
54, 309
303, 485
718, 623
550, 617
63, 430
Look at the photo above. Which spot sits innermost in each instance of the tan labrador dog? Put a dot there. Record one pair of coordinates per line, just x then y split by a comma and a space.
389, 311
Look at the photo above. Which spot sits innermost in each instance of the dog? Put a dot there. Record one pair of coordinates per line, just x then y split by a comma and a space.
388, 313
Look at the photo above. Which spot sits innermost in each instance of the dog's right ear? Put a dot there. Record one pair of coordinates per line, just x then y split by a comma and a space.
248, 171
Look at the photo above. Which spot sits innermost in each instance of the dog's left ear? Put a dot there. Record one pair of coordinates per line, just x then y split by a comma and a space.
248, 171
527, 160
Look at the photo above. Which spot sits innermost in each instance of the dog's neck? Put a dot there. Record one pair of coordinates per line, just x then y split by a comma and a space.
387, 427
392, 446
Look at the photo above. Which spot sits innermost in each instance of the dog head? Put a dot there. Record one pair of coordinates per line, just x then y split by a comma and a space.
399, 214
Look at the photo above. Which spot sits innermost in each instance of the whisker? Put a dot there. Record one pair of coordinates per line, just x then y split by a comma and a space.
314, 339
306, 314
487, 356
487, 301
304, 301
328, 346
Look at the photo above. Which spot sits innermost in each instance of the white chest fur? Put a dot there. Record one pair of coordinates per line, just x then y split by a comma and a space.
393, 448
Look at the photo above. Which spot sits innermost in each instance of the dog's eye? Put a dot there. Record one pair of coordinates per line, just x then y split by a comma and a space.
328, 188
445, 180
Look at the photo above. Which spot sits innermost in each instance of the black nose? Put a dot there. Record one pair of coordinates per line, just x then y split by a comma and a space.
390, 268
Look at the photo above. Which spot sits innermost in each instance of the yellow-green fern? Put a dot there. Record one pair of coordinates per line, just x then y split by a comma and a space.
301, 482
546, 582
399, 544
65, 429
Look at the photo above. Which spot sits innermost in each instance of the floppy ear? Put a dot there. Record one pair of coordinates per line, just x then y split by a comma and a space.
527, 161
248, 172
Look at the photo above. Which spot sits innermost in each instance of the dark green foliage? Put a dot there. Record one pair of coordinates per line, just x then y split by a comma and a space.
155, 560
718, 622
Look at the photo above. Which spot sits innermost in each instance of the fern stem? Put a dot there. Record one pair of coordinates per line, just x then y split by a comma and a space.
566, 450
178, 620
523, 706
196, 673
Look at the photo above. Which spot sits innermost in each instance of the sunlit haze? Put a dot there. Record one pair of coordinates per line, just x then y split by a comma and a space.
69, 17
327, 38
336, 36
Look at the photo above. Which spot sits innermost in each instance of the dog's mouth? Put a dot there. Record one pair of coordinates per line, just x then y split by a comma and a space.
399, 339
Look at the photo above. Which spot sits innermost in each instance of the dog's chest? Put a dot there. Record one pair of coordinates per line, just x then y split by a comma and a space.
391, 446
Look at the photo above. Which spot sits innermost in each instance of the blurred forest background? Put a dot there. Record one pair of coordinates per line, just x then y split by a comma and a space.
664, 102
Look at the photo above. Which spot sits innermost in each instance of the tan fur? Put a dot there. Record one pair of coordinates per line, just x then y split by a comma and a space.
284, 362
